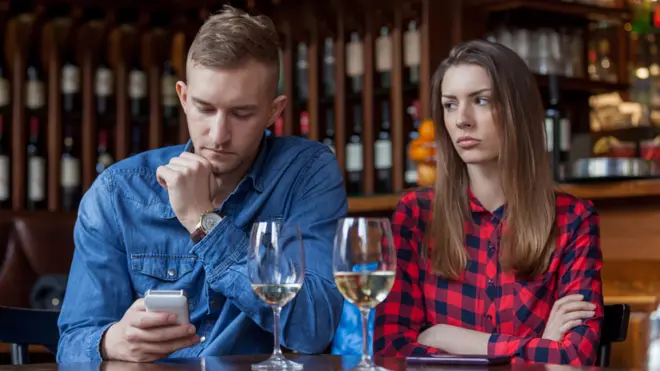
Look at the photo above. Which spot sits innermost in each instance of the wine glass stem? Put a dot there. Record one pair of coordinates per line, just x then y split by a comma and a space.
277, 351
366, 355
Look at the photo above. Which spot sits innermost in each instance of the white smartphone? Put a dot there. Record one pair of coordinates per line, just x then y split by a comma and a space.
169, 301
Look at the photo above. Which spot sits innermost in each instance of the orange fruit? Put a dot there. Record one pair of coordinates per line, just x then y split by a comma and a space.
419, 151
427, 130
426, 174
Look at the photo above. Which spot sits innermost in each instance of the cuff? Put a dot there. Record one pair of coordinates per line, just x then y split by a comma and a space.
221, 248
94, 346
499, 344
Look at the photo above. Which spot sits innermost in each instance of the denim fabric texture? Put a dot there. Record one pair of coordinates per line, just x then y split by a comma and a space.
128, 240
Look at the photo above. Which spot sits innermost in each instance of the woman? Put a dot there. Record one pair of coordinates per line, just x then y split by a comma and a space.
493, 260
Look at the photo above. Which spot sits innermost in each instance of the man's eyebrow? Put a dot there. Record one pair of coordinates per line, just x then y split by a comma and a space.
200, 101
246, 107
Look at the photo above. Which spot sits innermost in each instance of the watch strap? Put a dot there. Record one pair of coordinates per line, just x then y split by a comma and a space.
198, 233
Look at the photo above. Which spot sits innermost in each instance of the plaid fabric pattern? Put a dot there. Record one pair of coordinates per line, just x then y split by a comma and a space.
486, 299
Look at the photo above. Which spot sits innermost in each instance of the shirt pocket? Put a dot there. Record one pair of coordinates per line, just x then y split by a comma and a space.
533, 301
162, 272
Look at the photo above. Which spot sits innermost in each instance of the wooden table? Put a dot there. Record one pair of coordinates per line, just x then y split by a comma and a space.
240, 363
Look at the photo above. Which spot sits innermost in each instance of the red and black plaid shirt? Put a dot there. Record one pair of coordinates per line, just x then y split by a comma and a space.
486, 299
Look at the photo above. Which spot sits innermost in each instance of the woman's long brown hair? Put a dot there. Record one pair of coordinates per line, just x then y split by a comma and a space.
529, 223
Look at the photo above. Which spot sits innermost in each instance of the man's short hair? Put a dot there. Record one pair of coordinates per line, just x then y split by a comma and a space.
232, 37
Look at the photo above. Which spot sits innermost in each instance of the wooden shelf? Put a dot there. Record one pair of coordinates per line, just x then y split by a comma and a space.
5, 348
622, 189
591, 12
592, 191
582, 85
380, 203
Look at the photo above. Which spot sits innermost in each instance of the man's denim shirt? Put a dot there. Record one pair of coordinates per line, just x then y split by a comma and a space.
128, 241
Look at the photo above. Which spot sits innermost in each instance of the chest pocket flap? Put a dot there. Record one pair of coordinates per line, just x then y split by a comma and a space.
163, 267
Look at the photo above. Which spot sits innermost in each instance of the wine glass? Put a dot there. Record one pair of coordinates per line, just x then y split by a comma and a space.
276, 268
364, 264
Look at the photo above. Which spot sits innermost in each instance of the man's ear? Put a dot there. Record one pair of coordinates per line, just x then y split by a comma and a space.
277, 108
182, 92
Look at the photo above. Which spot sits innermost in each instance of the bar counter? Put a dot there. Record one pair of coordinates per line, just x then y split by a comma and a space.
313, 363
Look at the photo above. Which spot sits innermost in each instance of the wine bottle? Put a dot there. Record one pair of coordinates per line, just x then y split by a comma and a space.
410, 175
384, 57
329, 138
136, 140
304, 124
169, 103
412, 53
354, 155
170, 100
302, 85
35, 104
328, 67
355, 62
278, 127
70, 89
5, 138
383, 152
70, 184
103, 157
558, 132
104, 93
137, 93
5, 166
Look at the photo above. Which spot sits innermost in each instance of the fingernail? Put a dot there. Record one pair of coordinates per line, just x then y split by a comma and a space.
191, 329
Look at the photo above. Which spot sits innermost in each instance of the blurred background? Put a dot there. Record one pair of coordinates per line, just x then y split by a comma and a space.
86, 83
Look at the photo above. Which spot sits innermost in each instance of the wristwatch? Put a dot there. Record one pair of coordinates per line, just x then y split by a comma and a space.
207, 221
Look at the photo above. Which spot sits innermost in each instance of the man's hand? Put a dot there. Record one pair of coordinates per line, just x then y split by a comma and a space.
567, 313
189, 181
143, 336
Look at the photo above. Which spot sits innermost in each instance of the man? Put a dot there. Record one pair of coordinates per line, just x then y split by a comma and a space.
145, 223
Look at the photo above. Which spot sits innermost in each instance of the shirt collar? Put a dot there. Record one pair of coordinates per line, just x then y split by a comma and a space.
476, 207
256, 171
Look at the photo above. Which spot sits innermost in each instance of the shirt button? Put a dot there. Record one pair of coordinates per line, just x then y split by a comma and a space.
491, 282
489, 317
202, 339
171, 272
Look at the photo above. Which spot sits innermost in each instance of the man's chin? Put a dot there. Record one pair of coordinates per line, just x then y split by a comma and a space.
223, 168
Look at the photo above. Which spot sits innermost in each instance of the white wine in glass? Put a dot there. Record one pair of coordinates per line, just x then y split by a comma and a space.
276, 267
364, 266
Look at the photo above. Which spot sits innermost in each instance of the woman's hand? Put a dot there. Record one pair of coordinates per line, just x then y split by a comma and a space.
456, 340
567, 313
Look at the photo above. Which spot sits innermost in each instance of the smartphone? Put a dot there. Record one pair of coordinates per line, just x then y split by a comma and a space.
169, 301
457, 359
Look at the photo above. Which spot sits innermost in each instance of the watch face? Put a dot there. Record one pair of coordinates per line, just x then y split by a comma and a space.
209, 221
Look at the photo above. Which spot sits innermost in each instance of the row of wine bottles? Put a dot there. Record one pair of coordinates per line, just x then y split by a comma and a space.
71, 188
134, 107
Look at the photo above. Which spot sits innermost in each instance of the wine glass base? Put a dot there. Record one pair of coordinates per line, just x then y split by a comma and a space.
367, 366
277, 363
